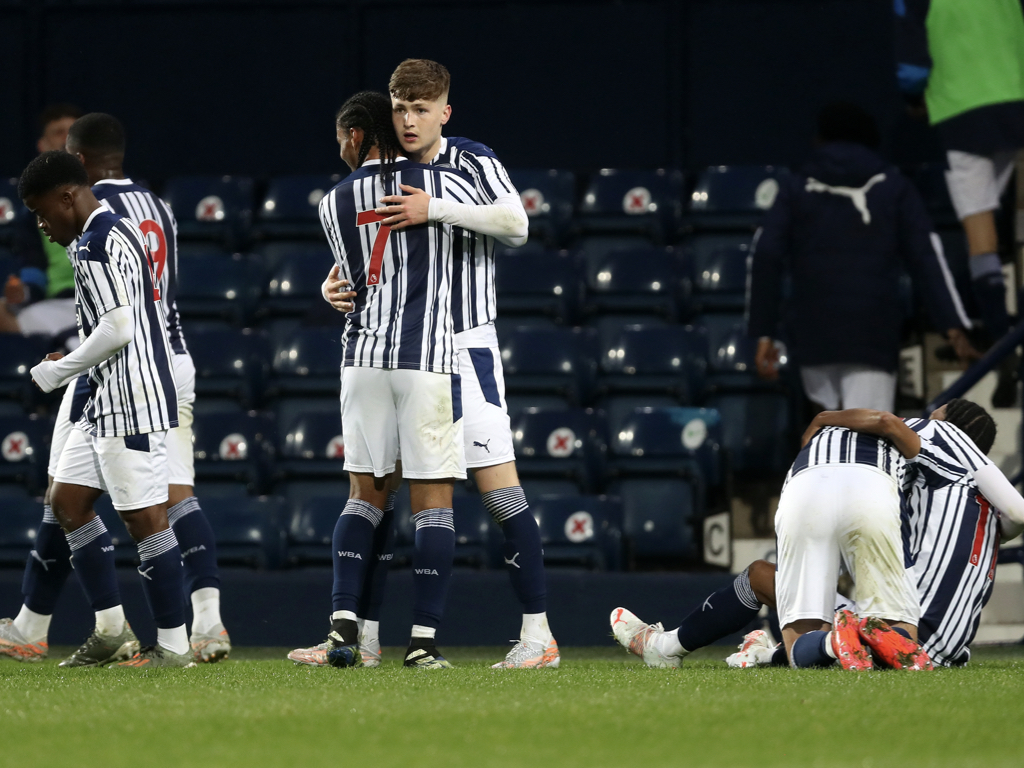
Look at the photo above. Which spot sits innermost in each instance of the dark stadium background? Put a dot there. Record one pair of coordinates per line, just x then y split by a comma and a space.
222, 86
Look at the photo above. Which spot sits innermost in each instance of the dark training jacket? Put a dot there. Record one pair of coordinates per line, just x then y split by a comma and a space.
844, 229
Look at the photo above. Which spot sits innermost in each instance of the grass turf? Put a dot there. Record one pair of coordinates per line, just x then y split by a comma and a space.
601, 708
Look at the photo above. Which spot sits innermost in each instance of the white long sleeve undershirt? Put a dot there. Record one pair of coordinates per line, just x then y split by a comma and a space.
111, 334
505, 219
997, 489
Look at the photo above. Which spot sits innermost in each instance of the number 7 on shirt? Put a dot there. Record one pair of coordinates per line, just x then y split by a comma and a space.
379, 243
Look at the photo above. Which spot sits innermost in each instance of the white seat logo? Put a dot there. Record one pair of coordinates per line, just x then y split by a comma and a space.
234, 447
336, 448
210, 208
637, 201
858, 195
16, 447
533, 202
579, 527
561, 443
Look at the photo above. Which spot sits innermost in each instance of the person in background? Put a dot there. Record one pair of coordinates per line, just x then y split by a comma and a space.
963, 65
844, 228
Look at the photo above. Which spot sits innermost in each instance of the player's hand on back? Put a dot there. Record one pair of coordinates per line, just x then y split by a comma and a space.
406, 210
334, 291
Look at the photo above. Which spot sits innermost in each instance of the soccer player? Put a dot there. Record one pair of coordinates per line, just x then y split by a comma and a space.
119, 444
419, 96
98, 141
951, 538
400, 383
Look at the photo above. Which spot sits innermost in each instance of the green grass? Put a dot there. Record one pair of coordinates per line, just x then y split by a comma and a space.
602, 708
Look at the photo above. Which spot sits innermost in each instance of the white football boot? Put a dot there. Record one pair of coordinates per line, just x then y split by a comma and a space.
756, 650
638, 638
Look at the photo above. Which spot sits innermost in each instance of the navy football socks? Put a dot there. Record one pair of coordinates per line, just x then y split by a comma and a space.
726, 611
47, 567
432, 564
380, 563
162, 578
92, 553
809, 650
197, 544
353, 548
522, 551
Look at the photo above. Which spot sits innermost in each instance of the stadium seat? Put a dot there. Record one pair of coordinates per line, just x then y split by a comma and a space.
18, 525
18, 354
647, 202
609, 327
235, 447
547, 196
211, 207
310, 444
23, 451
682, 442
559, 361
311, 528
657, 518
582, 531
230, 363
731, 352
546, 283
248, 531
293, 280
505, 326
518, 403
638, 280
534, 489
733, 196
756, 431
11, 209
719, 264
560, 444
216, 288
307, 361
669, 360
291, 207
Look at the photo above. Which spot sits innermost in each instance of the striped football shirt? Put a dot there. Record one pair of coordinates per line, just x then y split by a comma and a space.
133, 391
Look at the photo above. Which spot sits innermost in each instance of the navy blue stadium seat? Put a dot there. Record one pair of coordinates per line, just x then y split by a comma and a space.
294, 278
23, 451
638, 280
658, 517
731, 352
235, 447
18, 525
291, 207
308, 361
666, 360
211, 207
733, 196
582, 531
756, 431
248, 531
310, 444
558, 361
547, 196
11, 209
561, 444
647, 202
719, 264
230, 363
218, 288
18, 354
682, 442
311, 528
534, 488
516, 404
534, 282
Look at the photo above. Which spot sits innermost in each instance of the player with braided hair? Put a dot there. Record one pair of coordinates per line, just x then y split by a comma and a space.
369, 112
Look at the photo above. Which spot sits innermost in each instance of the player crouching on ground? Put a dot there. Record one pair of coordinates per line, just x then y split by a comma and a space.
950, 534
119, 445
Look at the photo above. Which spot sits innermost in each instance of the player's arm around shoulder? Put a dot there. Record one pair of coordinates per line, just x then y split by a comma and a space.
878, 423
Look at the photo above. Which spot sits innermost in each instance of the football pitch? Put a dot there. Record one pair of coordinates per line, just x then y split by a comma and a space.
602, 708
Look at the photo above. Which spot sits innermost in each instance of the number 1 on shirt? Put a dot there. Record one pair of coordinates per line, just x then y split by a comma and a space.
379, 242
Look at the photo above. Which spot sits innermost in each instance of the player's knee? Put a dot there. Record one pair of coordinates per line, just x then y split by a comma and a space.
142, 523
762, 580
71, 514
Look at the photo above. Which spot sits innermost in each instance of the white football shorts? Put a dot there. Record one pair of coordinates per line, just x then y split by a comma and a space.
384, 411
488, 433
848, 513
180, 456
133, 470
976, 182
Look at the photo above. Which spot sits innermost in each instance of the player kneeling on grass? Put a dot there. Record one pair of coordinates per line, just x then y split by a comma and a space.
400, 384
951, 536
119, 445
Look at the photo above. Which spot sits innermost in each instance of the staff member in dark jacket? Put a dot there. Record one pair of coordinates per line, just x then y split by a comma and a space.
843, 228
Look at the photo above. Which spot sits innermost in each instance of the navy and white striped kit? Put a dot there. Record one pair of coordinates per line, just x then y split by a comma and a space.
403, 280
838, 446
473, 299
133, 391
154, 218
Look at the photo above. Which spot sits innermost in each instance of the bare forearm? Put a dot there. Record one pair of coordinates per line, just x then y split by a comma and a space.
879, 423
